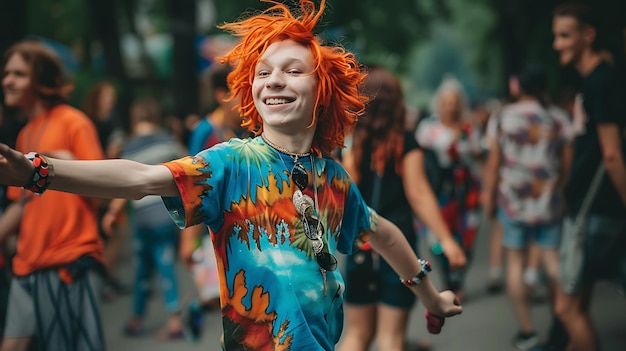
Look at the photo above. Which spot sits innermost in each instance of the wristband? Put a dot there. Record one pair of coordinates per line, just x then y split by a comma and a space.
419, 277
39, 181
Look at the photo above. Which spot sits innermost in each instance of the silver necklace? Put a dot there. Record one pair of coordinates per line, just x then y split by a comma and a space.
283, 150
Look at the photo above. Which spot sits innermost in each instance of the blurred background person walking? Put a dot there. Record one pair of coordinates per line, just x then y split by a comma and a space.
452, 146
594, 229
99, 105
528, 164
388, 165
58, 264
155, 236
224, 122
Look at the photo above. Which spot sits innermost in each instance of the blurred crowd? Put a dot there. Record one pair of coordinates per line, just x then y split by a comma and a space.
540, 171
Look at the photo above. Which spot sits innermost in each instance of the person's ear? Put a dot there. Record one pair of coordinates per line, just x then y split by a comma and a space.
589, 34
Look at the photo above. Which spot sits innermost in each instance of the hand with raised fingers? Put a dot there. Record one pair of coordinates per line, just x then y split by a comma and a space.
15, 168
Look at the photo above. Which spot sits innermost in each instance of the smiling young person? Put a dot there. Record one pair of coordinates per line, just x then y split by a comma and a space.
53, 289
278, 207
599, 119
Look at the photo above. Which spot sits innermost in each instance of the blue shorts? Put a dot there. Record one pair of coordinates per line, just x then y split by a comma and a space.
517, 235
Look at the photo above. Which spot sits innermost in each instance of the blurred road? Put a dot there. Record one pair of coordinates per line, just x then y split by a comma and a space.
487, 323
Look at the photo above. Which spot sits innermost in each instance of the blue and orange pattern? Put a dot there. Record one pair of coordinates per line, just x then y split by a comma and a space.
272, 290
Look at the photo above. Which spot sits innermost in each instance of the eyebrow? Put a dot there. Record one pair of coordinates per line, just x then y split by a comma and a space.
287, 62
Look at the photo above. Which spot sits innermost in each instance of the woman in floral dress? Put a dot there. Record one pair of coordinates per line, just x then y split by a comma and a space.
451, 145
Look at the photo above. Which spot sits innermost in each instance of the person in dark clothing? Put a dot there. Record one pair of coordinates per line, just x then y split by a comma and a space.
595, 214
388, 165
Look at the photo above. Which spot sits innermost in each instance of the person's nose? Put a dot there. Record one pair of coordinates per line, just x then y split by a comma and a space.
5, 80
275, 80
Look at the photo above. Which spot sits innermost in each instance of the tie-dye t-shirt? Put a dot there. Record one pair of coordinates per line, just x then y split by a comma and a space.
272, 289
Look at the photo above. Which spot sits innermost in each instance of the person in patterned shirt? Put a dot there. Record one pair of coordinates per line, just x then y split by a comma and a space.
528, 164
278, 206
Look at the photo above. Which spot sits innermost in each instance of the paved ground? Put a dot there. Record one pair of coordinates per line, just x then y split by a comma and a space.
487, 323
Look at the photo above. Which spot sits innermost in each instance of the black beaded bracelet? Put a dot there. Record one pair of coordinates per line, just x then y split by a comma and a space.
39, 181
420, 276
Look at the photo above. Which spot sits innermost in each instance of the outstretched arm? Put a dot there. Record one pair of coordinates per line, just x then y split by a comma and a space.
104, 178
389, 241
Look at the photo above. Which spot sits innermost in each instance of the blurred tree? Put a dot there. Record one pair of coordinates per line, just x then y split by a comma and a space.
383, 31
525, 34
228, 10
106, 28
184, 82
375, 30
64, 21
12, 22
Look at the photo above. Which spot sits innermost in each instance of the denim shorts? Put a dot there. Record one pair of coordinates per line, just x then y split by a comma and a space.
602, 252
517, 235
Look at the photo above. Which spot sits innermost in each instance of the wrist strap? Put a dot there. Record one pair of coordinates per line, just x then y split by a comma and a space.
39, 181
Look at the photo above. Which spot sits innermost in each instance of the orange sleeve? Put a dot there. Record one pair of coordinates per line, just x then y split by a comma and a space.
85, 144
14, 193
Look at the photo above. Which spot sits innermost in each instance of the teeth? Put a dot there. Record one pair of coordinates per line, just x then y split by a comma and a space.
273, 101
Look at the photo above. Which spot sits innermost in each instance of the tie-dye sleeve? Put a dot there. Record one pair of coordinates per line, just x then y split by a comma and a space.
198, 181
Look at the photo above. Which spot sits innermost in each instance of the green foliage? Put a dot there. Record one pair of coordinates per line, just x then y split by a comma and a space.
65, 21
229, 10
480, 41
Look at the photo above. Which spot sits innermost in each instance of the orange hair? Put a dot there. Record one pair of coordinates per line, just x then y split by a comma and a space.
339, 101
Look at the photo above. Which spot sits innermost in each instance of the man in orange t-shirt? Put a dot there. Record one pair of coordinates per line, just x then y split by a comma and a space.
53, 295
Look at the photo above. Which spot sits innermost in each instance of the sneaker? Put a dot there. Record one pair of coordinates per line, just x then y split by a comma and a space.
133, 330
113, 289
525, 342
193, 321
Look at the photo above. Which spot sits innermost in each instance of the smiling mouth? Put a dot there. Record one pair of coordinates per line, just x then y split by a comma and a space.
278, 101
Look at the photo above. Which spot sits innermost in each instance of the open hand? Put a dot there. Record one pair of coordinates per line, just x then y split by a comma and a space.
15, 168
